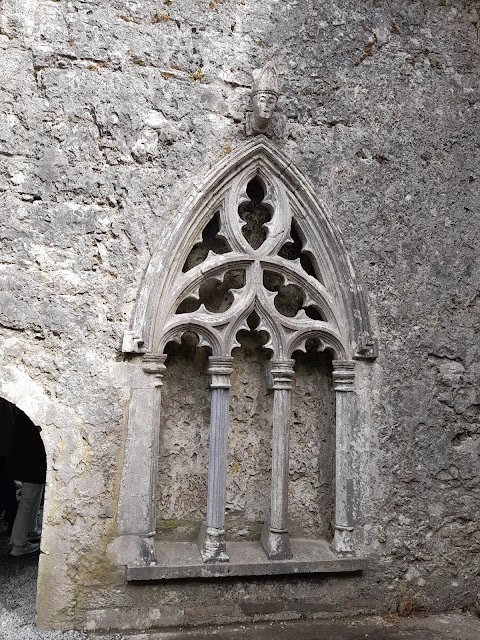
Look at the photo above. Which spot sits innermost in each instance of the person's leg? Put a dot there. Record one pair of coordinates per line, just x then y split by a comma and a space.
26, 513
33, 533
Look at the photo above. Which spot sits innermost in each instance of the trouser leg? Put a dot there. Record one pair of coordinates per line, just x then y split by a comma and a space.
36, 509
26, 519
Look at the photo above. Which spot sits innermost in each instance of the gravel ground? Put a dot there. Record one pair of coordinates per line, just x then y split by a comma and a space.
17, 614
18, 584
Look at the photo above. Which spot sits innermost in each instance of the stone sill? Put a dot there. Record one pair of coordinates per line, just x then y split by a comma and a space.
177, 560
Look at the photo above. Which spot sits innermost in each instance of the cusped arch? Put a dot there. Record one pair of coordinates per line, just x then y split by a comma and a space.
291, 197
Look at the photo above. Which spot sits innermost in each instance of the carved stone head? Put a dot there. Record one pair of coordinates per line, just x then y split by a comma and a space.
264, 95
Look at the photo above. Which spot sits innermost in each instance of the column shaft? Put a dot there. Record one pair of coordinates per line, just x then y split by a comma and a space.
217, 464
346, 415
212, 534
275, 539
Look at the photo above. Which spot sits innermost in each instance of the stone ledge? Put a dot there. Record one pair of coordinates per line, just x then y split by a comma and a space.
176, 560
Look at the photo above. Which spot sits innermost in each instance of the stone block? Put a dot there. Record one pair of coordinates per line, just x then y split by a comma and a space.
133, 618
262, 608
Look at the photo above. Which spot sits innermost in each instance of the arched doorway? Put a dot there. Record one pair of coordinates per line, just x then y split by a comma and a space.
22, 457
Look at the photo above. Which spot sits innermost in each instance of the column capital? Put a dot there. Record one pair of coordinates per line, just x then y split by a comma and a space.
344, 375
154, 363
220, 369
282, 373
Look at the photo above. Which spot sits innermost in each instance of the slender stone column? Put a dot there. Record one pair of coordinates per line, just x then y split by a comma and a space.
346, 416
275, 539
136, 509
212, 534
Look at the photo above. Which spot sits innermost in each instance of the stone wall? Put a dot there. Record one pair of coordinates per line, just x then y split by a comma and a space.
110, 111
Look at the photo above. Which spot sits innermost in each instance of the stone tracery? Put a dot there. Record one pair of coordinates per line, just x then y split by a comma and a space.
225, 288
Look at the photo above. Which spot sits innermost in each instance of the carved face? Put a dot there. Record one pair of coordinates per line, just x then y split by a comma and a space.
264, 104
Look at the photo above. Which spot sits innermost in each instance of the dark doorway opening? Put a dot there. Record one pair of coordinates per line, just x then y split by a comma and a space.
20, 446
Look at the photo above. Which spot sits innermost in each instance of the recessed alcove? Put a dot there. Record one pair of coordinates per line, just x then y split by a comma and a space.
312, 448
255, 214
183, 442
254, 434
184, 439
293, 250
210, 241
250, 437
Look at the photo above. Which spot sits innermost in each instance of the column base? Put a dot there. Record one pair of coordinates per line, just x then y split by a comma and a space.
276, 544
211, 542
343, 541
134, 549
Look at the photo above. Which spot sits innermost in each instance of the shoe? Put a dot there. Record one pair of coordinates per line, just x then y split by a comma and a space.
28, 547
34, 536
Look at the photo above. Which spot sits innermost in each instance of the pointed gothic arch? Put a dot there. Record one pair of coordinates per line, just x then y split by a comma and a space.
173, 301
292, 197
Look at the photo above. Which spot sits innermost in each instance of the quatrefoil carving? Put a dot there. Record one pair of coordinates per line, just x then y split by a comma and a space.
252, 258
253, 212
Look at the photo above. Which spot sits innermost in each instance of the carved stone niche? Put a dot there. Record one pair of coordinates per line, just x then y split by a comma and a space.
253, 221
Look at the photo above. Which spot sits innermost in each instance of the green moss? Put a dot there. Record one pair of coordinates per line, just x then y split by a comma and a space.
171, 524
198, 75
159, 17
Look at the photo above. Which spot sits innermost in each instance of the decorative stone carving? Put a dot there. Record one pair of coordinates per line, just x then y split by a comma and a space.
252, 231
218, 193
264, 100
132, 343
218, 328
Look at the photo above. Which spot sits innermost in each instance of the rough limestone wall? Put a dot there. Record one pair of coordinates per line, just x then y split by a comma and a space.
312, 448
109, 112
183, 447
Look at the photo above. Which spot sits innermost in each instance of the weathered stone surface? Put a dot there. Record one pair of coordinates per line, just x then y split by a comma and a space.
451, 627
109, 114
182, 560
